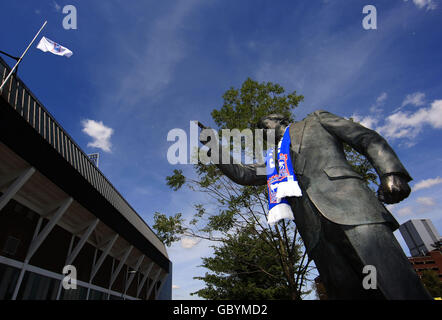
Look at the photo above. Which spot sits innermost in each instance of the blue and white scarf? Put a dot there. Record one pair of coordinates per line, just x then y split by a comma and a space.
281, 185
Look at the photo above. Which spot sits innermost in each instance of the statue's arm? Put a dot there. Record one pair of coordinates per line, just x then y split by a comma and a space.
246, 175
365, 141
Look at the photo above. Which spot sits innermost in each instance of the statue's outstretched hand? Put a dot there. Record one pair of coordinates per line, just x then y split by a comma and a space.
202, 126
204, 141
393, 189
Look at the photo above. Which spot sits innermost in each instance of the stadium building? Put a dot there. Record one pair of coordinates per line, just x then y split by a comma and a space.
57, 209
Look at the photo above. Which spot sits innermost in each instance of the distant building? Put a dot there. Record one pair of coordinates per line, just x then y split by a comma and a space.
431, 261
419, 235
57, 209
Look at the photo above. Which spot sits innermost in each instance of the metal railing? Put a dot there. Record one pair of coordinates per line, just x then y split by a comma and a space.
22, 100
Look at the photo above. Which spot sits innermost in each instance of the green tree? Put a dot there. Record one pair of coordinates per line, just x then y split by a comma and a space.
233, 215
244, 267
431, 281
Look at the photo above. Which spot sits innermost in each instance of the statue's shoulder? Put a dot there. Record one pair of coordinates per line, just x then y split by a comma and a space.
318, 113
323, 115
314, 115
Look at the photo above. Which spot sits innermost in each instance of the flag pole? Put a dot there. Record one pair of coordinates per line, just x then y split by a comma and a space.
21, 58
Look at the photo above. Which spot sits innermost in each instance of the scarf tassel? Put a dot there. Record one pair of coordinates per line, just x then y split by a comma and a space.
288, 189
281, 211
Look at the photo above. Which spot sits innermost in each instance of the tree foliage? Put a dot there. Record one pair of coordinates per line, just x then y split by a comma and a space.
244, 267
169, 229
431, 281
244, 108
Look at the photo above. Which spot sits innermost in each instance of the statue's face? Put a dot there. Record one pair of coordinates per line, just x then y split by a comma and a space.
274, 122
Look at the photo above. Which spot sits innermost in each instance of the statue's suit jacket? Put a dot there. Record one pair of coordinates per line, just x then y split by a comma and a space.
331, 188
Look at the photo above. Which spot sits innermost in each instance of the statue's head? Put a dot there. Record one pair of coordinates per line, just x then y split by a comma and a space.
275, 121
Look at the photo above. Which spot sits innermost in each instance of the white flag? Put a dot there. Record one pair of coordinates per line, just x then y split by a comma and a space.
46, 45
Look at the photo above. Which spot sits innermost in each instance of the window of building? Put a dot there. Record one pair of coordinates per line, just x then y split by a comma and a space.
97, 295
74, 294
8, 280
37, 287
11, 245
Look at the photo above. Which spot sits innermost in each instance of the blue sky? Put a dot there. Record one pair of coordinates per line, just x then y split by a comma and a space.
142, 68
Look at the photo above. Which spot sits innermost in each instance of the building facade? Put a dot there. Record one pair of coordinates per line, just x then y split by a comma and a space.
431, 261
62, 223
419, 235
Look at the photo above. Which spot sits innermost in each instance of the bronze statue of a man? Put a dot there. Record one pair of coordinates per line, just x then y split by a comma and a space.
344, 226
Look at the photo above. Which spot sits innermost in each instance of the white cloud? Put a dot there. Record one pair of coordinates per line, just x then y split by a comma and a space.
424, 205
403, 124
186, 265
188, 243
416, 99
100, 133
367, 121
426, 201
428, 183
405, 211
429, 4
408, 125
174, 286
372, 120
382, 97
379, 103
